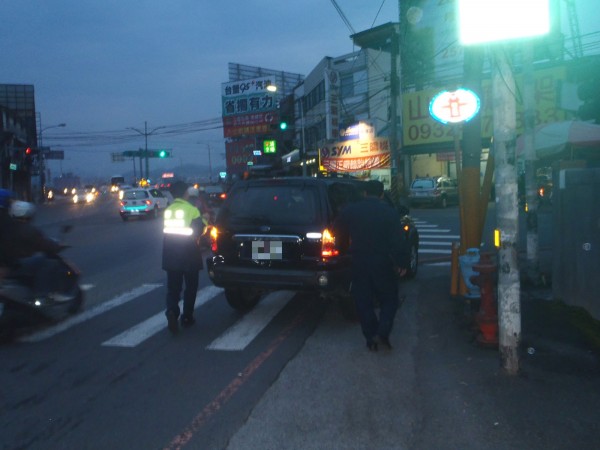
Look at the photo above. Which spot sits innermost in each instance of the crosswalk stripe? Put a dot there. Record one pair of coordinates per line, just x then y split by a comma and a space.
86, 315
441, 236
142, 331
440, 251
447, 244
246, 329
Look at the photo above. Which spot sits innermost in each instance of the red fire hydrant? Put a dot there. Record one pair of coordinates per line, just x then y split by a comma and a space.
487, 317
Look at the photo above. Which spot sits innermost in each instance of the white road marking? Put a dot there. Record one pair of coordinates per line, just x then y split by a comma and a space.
87, 287
433, 230
443, 252
447, 244
86, 315
148, 328
441, 236
246, 329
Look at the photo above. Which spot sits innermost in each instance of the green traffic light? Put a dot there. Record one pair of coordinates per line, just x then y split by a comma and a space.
162, 154
283, 125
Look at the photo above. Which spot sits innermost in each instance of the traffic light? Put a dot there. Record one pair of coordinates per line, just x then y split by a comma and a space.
283, 125
161, 154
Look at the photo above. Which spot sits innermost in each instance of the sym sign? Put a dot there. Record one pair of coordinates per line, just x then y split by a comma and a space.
454, 106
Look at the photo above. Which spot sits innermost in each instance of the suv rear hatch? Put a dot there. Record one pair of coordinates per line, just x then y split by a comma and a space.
272, 224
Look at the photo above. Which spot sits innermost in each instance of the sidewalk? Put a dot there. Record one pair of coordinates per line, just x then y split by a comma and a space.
437, 389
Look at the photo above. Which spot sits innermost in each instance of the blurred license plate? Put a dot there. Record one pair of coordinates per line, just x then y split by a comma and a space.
267, 250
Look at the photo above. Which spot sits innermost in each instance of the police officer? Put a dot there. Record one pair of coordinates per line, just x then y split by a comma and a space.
373, 231
182, 258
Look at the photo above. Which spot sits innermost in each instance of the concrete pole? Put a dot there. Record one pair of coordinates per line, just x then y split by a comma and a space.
509, 301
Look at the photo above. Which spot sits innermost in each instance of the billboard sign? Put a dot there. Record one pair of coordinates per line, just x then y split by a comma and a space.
248, 96
356, 155
249, 124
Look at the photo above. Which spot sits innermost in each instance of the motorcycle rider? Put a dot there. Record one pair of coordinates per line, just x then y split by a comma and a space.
23, 247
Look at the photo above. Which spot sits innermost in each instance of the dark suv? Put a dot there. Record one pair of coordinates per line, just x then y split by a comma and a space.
276, 234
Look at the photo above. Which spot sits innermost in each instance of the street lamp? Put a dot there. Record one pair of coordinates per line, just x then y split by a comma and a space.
60, 125
146, 133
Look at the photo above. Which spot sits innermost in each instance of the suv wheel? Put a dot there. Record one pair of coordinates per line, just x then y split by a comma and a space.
242, 299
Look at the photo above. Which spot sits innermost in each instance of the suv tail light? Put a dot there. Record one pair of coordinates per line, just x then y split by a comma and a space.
214, 233
148, 202
328, 248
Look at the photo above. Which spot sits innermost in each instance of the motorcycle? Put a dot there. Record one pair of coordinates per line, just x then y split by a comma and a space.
21, 307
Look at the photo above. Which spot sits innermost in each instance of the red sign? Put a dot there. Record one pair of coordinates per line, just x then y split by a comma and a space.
249, 124
238, 154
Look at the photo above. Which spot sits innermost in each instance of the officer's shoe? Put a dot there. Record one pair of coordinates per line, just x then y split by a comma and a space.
372, 345
384, 342
172, 323
187, 321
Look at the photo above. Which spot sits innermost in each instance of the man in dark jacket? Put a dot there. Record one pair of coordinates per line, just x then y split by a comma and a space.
182, 258
373, 231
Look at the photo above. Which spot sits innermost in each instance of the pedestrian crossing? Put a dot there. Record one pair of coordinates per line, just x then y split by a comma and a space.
235, 338
434, 240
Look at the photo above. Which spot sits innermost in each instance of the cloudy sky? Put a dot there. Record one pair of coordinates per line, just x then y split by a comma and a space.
101, 66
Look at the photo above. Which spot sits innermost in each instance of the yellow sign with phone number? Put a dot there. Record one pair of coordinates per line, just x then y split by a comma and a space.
421, 129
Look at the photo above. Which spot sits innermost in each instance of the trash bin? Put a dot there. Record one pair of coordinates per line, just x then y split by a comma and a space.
466, 262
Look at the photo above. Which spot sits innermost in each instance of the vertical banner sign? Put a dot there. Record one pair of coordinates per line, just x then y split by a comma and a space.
332, 103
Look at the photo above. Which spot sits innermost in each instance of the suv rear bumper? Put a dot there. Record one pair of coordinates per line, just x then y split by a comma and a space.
227, 276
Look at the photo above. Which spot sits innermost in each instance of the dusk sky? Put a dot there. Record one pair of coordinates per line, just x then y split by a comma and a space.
101, 66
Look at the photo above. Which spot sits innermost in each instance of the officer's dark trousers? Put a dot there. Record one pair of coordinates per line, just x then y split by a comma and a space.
175, 280
374, 281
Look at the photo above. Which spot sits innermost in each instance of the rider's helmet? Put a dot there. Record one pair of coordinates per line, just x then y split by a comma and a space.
5, 198
22, 210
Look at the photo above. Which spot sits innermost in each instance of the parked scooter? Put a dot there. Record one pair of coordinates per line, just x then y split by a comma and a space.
24, 304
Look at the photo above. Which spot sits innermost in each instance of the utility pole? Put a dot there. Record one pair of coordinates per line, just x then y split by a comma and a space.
145, 133
507, 211
209, 165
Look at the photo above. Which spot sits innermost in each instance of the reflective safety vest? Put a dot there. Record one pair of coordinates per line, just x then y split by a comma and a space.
178, 218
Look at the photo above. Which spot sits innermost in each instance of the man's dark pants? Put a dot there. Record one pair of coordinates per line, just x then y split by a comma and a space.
375, 280
175, 280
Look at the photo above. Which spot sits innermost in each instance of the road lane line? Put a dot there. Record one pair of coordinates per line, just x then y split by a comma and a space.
247, 328
86, 315
217, 404
148, 328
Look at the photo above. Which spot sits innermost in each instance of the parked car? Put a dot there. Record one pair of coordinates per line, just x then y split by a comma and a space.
277, 233
434, 191
142, 202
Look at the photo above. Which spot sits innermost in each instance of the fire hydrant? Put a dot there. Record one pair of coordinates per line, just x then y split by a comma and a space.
487, 317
